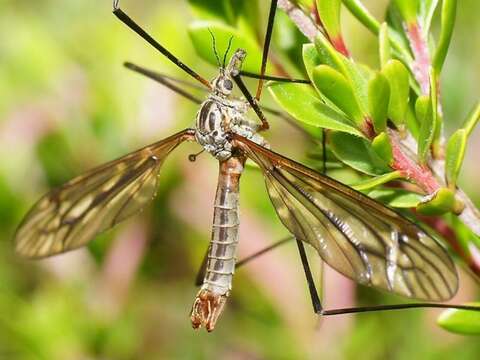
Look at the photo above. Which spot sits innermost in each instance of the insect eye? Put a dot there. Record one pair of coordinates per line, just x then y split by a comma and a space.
228, 85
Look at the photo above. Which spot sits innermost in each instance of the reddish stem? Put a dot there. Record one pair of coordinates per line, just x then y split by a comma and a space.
419, 47
419, 174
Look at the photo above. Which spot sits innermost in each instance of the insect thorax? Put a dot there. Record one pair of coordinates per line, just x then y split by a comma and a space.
217, 118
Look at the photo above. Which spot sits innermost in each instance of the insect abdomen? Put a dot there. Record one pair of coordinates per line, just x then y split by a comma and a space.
223, 245
211, 298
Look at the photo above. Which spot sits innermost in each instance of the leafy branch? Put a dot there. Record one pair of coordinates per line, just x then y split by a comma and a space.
386, 124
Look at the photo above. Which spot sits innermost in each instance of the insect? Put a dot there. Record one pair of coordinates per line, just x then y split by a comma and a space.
357, 236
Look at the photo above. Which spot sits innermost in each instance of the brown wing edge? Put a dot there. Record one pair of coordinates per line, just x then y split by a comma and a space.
176, 139
250, 149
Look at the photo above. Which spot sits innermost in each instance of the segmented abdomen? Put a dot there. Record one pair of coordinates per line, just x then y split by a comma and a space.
223, 244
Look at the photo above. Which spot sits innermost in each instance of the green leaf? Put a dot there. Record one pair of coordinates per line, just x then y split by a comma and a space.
302, 102
449, 8
441, 202
461, 321
328, 55
408, 9
398, 78
329, 11
361, 13
378, 101
427, 9
357, 75
397, 198
339, 90
472, 120
377, 181
384, 45
213, 9
202, 41
454, 156
423, 109
357, 153
311, 59
383, 148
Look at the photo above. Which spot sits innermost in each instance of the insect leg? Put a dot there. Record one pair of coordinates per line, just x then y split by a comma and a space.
168, 81
273, 78
202, 270
165, 80
317, 304
242, 262
266, 46
136, 28
263, 251
252, 101
363, 309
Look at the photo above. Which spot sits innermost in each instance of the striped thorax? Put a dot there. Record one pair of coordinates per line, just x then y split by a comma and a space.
221, 114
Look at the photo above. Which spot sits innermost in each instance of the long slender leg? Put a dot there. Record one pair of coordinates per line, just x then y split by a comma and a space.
266, 46
202, 270
363, 309
252, 101
274, 78
164, 80
135, 27
168, 81
203, 266
317, 305
262, 252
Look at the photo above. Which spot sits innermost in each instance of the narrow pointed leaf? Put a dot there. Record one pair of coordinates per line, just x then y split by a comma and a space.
449, 8
377, 181
472, 120
338, 89
461, 321
423, 109
454, 156
329, 55
408, 9
384, 45
311, 59
398, 78
397, 198
357, 153
427, 9
302, 102
329, 11
383, 148
441, 202
378, 101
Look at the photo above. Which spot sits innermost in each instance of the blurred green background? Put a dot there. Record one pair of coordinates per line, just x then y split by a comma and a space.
67, 104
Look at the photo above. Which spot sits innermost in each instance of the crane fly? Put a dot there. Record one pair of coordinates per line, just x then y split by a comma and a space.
359, 237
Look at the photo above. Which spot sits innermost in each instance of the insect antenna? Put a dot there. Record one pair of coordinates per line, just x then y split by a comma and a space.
226, 51
123, 17
214, 45
168, 81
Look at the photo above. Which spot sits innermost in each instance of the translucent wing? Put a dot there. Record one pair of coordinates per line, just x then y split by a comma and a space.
70, 216
359, 237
